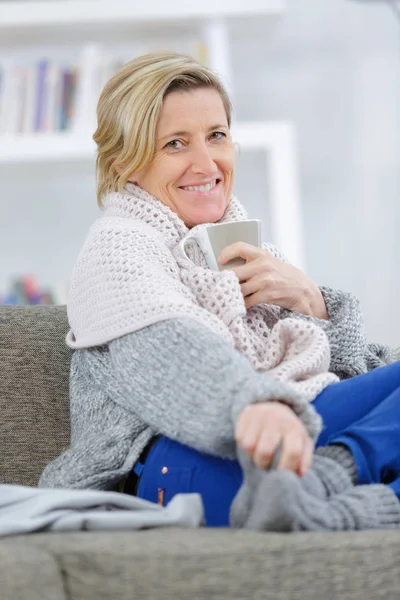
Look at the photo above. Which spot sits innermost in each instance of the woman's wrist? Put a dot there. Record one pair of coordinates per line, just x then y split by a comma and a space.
318, 306
312, 304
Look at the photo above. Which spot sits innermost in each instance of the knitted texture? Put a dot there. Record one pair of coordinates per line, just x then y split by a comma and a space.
106, 439
351, 354
338, 453
131, 273
325, 479
279, 501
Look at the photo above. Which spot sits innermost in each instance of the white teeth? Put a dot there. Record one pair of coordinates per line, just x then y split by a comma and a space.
201, 188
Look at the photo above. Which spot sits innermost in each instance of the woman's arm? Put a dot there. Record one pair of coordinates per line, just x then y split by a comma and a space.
176, 378
187, 383
269, 278
351, 354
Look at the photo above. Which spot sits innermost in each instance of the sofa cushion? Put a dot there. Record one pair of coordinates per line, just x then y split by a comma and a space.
34, 404
29, 573
218, 564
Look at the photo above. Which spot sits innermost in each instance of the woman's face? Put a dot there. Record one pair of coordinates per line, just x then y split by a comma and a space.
193, 166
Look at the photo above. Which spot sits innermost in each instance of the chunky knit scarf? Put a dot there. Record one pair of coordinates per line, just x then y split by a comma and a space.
131, 273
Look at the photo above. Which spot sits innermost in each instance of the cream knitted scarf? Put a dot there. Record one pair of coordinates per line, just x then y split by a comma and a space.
131, 273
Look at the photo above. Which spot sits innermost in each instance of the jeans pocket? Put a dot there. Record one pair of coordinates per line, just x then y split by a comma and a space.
172, 481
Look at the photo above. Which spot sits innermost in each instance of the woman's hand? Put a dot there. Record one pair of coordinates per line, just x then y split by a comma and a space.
265, 279
261, 428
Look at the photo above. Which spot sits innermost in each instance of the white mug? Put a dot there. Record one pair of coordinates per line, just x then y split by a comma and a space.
213, 238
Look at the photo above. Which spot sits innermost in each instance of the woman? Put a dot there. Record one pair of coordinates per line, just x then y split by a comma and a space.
185, 379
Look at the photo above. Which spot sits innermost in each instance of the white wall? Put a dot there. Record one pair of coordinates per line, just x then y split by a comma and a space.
333, 67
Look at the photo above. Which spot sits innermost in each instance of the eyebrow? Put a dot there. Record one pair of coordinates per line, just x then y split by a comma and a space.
179, 133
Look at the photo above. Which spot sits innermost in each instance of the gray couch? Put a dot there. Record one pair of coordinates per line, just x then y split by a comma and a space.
161, 563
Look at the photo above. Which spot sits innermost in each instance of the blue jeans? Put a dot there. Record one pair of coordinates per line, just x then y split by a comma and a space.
362, 413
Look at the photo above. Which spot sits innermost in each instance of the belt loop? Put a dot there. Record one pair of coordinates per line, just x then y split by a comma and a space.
138, 468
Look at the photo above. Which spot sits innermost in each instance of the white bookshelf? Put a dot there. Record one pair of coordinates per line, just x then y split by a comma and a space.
88, 27
92, 28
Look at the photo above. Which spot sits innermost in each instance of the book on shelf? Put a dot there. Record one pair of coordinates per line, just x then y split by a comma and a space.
49, 95
36, 98
26, 291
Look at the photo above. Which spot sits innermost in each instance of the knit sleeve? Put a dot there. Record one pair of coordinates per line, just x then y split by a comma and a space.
187, 383
106, 439
351, 354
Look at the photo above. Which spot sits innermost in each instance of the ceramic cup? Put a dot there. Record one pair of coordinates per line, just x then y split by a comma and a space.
213, 238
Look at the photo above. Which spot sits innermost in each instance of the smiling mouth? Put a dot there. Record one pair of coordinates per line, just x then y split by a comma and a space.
205, 188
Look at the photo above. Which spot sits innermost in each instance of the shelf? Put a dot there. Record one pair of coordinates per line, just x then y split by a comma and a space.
70, 13
61, 22
46, 148
66, 21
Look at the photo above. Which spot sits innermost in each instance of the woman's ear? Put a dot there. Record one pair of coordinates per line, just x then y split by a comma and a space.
120, 168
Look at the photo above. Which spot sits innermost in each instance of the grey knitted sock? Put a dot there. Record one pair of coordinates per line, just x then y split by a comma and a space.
280, 503
341, 455
242, 503
253, 478
324, 479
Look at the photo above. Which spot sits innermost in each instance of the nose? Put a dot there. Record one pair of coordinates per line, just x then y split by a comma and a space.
202, 160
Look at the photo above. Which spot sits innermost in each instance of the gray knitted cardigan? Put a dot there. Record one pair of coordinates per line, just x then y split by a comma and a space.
180, 379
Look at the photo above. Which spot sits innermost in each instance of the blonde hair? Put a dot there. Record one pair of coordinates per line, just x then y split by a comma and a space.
128, 111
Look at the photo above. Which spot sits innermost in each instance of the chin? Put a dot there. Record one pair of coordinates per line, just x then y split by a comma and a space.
211, 215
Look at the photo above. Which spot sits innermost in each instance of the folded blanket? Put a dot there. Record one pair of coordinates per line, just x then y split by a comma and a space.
26, 509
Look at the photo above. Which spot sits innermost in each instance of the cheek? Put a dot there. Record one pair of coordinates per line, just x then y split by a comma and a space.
229, 170
170, 171
154, 172
227, 161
